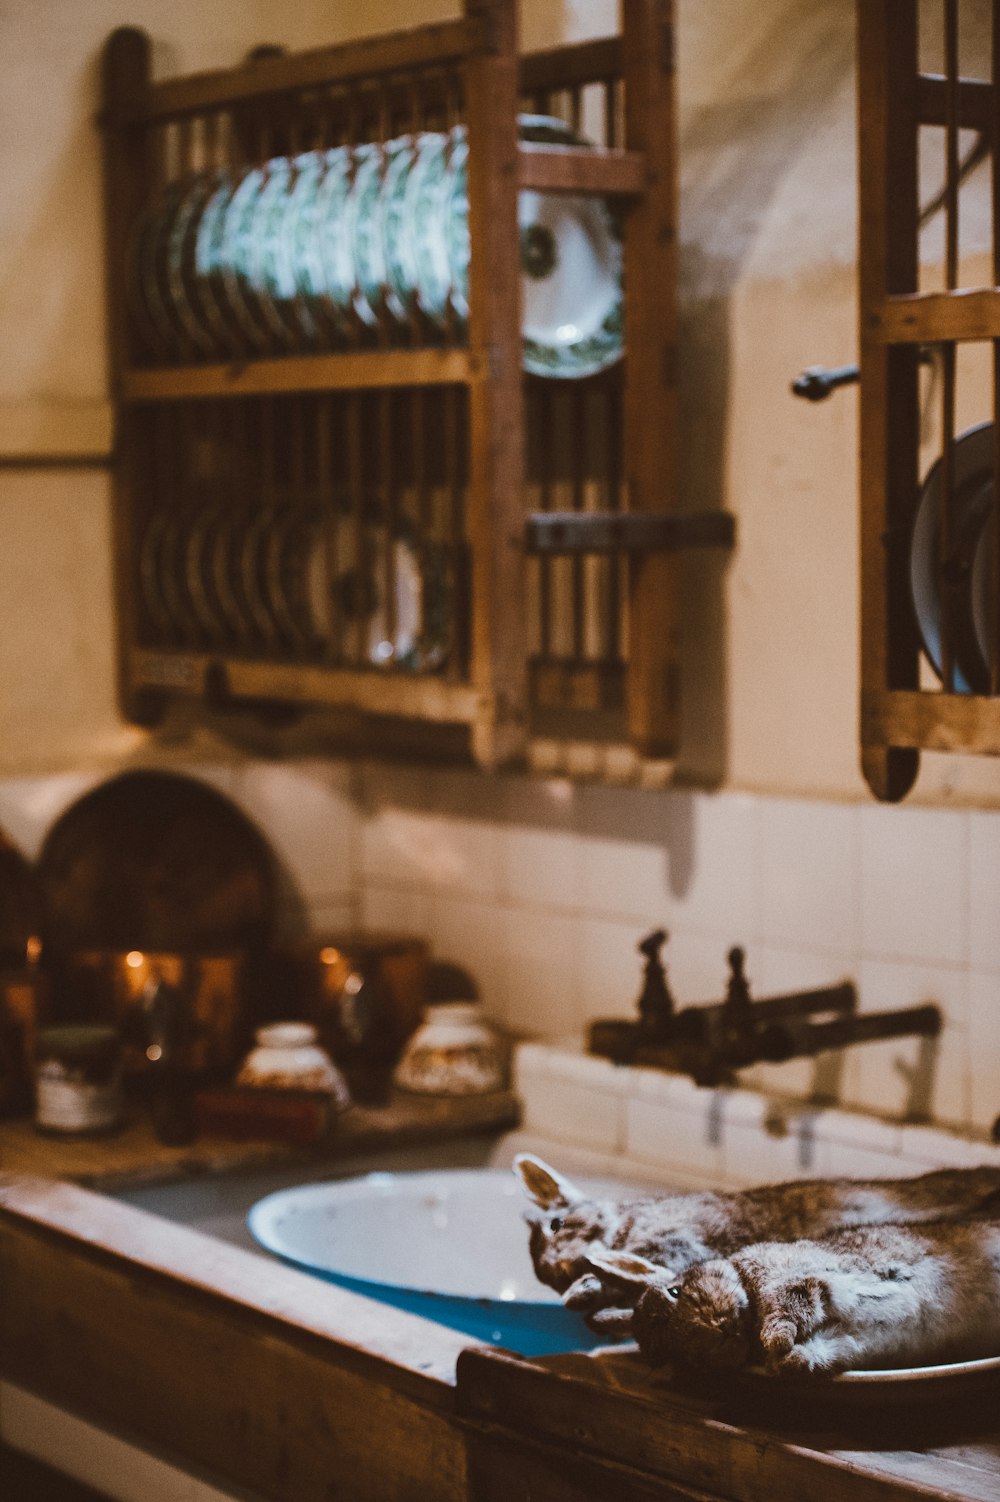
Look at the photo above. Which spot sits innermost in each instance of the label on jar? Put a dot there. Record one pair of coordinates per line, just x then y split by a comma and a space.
71, 1105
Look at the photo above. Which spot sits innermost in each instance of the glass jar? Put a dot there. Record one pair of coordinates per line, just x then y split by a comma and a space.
78, 1079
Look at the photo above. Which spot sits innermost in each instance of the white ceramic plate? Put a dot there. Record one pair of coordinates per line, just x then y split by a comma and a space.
865, 1389
420, 638
571, 272
571, 263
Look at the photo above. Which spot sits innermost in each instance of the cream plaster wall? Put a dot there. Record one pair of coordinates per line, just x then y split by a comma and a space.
768, 240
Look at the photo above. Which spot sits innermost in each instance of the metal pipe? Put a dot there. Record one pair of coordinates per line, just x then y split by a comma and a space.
696, 1024
782, 1042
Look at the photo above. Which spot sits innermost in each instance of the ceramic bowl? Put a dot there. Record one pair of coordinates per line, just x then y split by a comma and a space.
450, 1245
453, 1052
287, 1056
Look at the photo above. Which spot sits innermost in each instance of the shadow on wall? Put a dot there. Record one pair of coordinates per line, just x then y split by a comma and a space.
735, 154
663, 819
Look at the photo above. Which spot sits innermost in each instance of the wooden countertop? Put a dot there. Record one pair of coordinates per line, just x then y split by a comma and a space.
134, 1156
297, 1389
607, 1417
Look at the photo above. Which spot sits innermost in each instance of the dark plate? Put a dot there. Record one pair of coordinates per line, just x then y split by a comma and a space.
973, 486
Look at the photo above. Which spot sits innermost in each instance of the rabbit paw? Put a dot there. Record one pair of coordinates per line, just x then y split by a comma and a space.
588, 1292
616, 1324
819, 1356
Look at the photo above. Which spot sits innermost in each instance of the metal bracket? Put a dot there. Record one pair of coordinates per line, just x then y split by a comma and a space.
550, 532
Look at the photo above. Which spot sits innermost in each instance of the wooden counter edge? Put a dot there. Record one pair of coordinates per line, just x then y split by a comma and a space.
266, 1377
609, 1410
391, 1345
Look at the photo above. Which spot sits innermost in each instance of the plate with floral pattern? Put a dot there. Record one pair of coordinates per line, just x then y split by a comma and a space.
299, 264
571, 271
571, 262
208, 252
238, 235
333, 237
367, 233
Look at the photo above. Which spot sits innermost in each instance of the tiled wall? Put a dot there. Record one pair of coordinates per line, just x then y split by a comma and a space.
588, 1116
543, 889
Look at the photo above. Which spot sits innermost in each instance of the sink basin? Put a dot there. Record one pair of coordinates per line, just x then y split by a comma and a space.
448, 1244
433, 1228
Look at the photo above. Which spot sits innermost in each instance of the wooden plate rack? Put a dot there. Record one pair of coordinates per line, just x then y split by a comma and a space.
550, 506
904, 110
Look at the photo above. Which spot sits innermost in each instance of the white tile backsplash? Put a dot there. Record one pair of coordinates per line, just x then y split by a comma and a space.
672, 1132
306, 811
540, 986
914, 883
29, 806
539, 846
984, 891
570, 1111
713, 866
690, 1140
544, 888
984, 1048
810, 864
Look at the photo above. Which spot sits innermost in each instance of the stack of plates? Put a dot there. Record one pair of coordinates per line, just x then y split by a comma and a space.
308, 252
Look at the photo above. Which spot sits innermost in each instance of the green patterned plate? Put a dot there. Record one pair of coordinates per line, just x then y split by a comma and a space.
571, 264
367, 235
332, 243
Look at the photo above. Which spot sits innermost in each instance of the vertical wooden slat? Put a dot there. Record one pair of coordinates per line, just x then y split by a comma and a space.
613, 486
543, 404
330, 523
650, 418
455, 486
389, 497
357, 636
496, 474
889, 435
126, 72
994, 564
951, 186
952, 179
581, 571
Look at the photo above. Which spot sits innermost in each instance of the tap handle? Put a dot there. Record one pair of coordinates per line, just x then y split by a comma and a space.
656, 1004
818, 382
739, 1004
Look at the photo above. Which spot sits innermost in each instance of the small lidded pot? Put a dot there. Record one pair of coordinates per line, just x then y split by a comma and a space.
288, 1057
78, 1079
453, 1052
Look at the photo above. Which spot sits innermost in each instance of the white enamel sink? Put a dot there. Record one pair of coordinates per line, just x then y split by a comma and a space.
431, 1230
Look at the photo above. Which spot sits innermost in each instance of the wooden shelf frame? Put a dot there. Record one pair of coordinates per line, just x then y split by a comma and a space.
900, 718
492, 694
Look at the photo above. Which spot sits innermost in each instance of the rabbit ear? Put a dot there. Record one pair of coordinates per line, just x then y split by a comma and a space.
624, 1267
548, 1189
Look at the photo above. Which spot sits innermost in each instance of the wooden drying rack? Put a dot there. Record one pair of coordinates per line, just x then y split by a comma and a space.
447, 427
899, 718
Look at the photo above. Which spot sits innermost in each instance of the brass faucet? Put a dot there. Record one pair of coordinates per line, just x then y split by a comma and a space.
711, 1042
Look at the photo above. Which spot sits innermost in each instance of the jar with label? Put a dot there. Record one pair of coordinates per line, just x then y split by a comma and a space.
78, 1079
